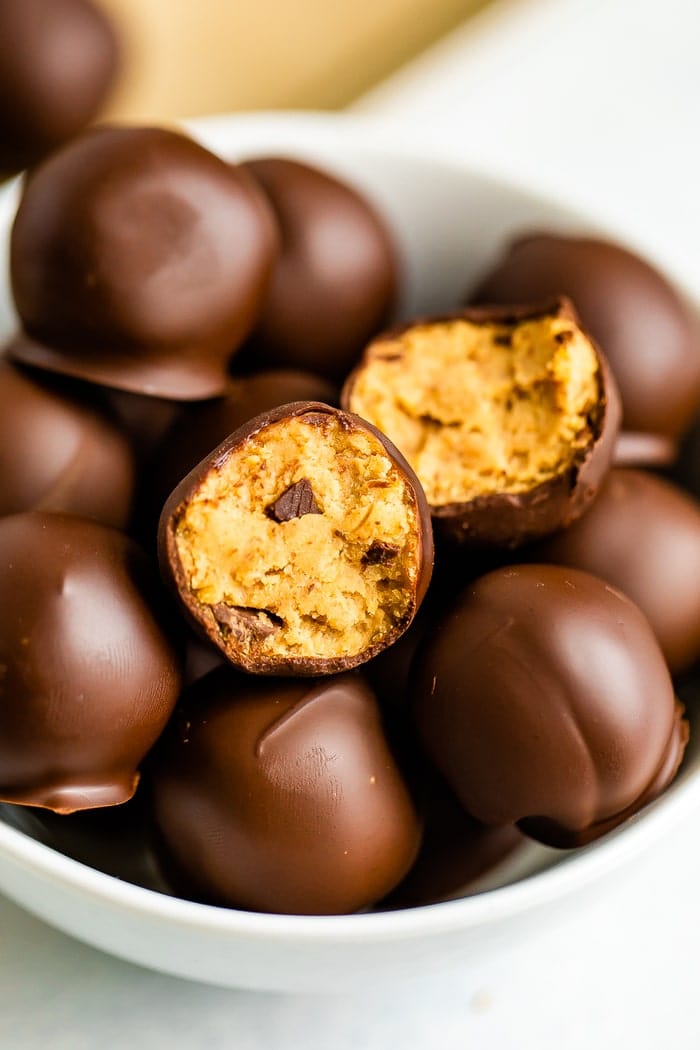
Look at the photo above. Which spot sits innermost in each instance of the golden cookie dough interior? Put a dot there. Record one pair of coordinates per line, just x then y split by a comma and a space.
304, 542
479, 409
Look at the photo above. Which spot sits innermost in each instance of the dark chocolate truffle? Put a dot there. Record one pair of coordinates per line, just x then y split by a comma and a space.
57, 61
334, 283
642, 326
544, 699
58, 454
507, 416
139, 260
642, 535
282, 796
89, 676
302, 544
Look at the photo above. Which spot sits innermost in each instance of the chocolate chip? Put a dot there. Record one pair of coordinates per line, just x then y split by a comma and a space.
295, 502
379, 553
237, 619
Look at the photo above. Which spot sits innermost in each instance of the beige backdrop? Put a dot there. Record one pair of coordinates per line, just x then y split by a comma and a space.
202, 56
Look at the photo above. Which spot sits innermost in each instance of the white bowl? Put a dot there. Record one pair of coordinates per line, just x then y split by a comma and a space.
450, 221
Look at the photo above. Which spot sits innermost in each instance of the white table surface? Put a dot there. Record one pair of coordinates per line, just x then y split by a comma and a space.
596, 100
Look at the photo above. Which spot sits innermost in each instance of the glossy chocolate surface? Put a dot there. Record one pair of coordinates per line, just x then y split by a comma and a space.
90, 676
544, 699
648, 336
144, 420
113, 839
457, 852
284, 796
636, 449
642, 535
57, 453
334, 283
139, 260
240, 632
58, 59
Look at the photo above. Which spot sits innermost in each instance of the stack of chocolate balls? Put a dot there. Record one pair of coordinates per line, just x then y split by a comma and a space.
400, 623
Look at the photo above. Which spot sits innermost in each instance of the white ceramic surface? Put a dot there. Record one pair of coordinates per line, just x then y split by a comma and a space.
449, 222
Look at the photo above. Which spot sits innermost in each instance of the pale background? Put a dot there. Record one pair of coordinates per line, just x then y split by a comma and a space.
189, 57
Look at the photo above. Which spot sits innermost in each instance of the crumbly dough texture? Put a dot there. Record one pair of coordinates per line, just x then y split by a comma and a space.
480, 409
329, 583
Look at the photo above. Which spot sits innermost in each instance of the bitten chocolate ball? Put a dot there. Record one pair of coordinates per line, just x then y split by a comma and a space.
58, 454
282, 796
198, 428
642, 535
544, 699
637, 318
507, 416
302, 544
89, 675
139, 260
58, 59
335, 280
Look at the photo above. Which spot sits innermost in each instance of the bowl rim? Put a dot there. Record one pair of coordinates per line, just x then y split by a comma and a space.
539, 890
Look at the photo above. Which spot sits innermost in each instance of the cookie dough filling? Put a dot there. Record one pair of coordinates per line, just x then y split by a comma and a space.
303, 541
480, 409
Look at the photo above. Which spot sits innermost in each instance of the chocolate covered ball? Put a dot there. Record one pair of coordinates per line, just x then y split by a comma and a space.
200, 427
144, 420
634, 448
89, 673
457, 853
544, 699
302, 544
642, 326
58, 59
508, 417
282, 796
58, 454
334, 283
139, 260
642, 535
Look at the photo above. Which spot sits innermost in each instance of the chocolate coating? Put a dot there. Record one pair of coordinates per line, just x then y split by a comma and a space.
502, 518
456, 851
635, 449
58, 454
283, 796
144, 420
544, 699
139, 260
113, 839
58, 59
254, 637
642, 535
334, 283
201, 427
89, 675
644, 329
